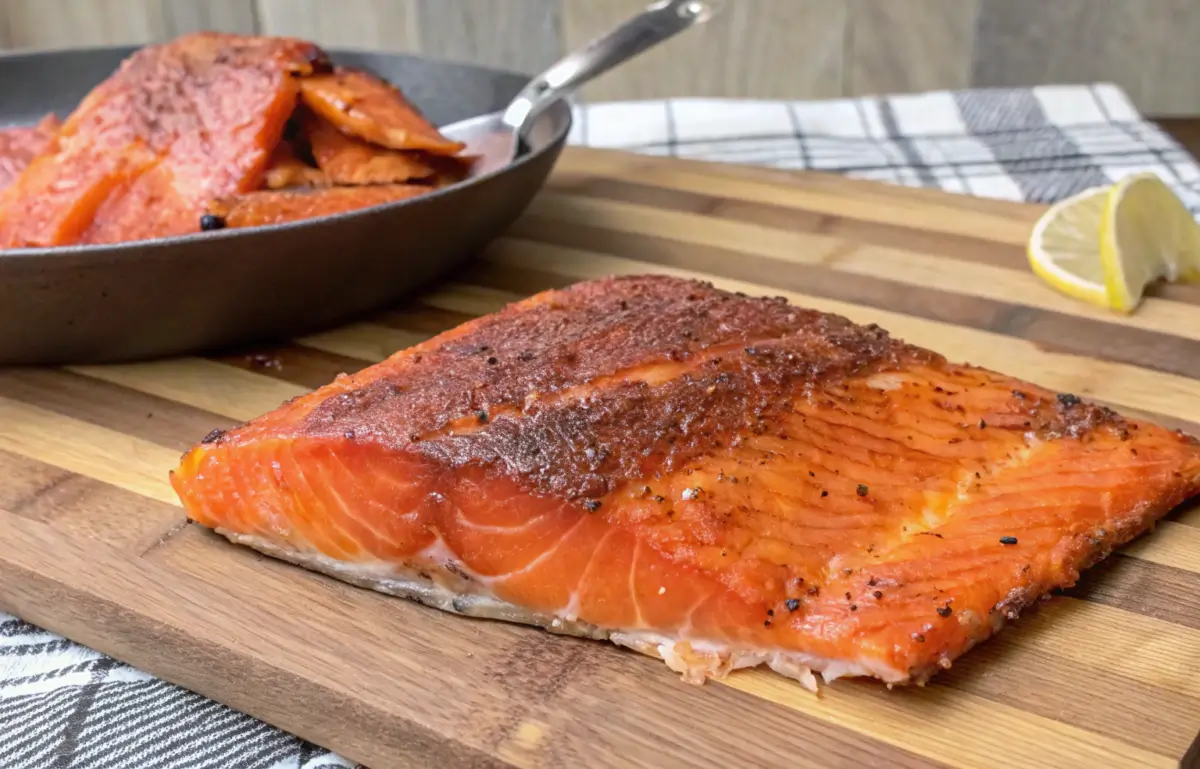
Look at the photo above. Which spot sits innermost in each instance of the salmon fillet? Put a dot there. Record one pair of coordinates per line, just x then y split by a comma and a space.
289, 205
176, 125
717, 480
19, 145
360, 104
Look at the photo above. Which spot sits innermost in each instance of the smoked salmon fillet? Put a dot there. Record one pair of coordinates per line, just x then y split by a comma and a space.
177, 125
717, 480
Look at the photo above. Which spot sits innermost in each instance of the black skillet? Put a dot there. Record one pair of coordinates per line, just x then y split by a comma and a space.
212, 290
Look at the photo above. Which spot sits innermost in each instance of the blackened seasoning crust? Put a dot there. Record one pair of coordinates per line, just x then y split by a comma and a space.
655, 372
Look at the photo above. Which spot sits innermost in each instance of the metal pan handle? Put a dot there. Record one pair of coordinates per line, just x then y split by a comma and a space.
660, 21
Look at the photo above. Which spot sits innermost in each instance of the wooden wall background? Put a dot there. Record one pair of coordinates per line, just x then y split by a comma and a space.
795, 49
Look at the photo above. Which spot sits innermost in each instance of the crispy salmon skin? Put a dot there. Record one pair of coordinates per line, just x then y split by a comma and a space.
717, 480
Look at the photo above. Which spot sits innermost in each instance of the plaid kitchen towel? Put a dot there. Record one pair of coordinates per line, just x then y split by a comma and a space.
63, 705
1032, 144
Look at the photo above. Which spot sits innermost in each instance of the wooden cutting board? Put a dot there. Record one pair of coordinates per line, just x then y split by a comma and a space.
94, 546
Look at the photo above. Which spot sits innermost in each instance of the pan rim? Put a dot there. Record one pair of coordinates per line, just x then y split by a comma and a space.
559, 110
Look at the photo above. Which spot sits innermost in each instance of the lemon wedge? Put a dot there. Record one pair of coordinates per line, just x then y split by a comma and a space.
1064, 249
1105, 245
1146, 234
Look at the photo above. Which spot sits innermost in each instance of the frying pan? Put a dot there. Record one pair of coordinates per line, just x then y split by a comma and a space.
212, 290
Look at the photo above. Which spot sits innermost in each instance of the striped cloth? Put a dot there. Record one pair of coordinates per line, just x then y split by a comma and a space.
1031, 144
63, 705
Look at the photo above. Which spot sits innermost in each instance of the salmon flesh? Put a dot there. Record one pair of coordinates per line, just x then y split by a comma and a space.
176, 125
717, 480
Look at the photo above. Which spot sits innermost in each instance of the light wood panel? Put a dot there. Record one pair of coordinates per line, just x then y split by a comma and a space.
520, 35
1141, 46
792, 49
1103, 676
67, 23
909, 45
771, 48
385, 25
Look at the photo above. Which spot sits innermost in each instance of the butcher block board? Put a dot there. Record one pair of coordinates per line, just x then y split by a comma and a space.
94, 546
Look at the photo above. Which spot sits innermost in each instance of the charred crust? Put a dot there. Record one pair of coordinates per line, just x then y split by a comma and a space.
746, 360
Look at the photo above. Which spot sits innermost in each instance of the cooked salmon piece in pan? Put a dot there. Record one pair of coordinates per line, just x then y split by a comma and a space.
20, 144
363, 105
348, 160
287, 169
278, 206
718, 480
175, 126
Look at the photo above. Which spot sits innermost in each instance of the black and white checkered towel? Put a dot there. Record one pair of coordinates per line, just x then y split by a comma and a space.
1033, 144
65, 706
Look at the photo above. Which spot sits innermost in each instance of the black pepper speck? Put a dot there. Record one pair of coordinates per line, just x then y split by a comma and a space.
1008, 540
863, 490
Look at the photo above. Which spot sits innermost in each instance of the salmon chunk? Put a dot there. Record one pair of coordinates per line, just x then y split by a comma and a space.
718, 480
362, 105
176, 125
278, 206
349, 160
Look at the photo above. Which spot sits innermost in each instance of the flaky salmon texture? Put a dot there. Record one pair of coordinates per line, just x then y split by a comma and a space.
717, 480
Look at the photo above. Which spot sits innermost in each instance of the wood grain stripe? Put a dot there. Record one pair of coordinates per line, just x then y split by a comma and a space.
164, 422
106, 455
364, 341
934, 721
798, 220
83, 508
1112, 382
604, 219
1153, 589
1160, 653
818, 193
200, 383
1189, 515
1173, 544
969, 251
303, 366
1021, 677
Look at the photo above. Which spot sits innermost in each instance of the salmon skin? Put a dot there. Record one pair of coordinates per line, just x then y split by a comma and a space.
717, 480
